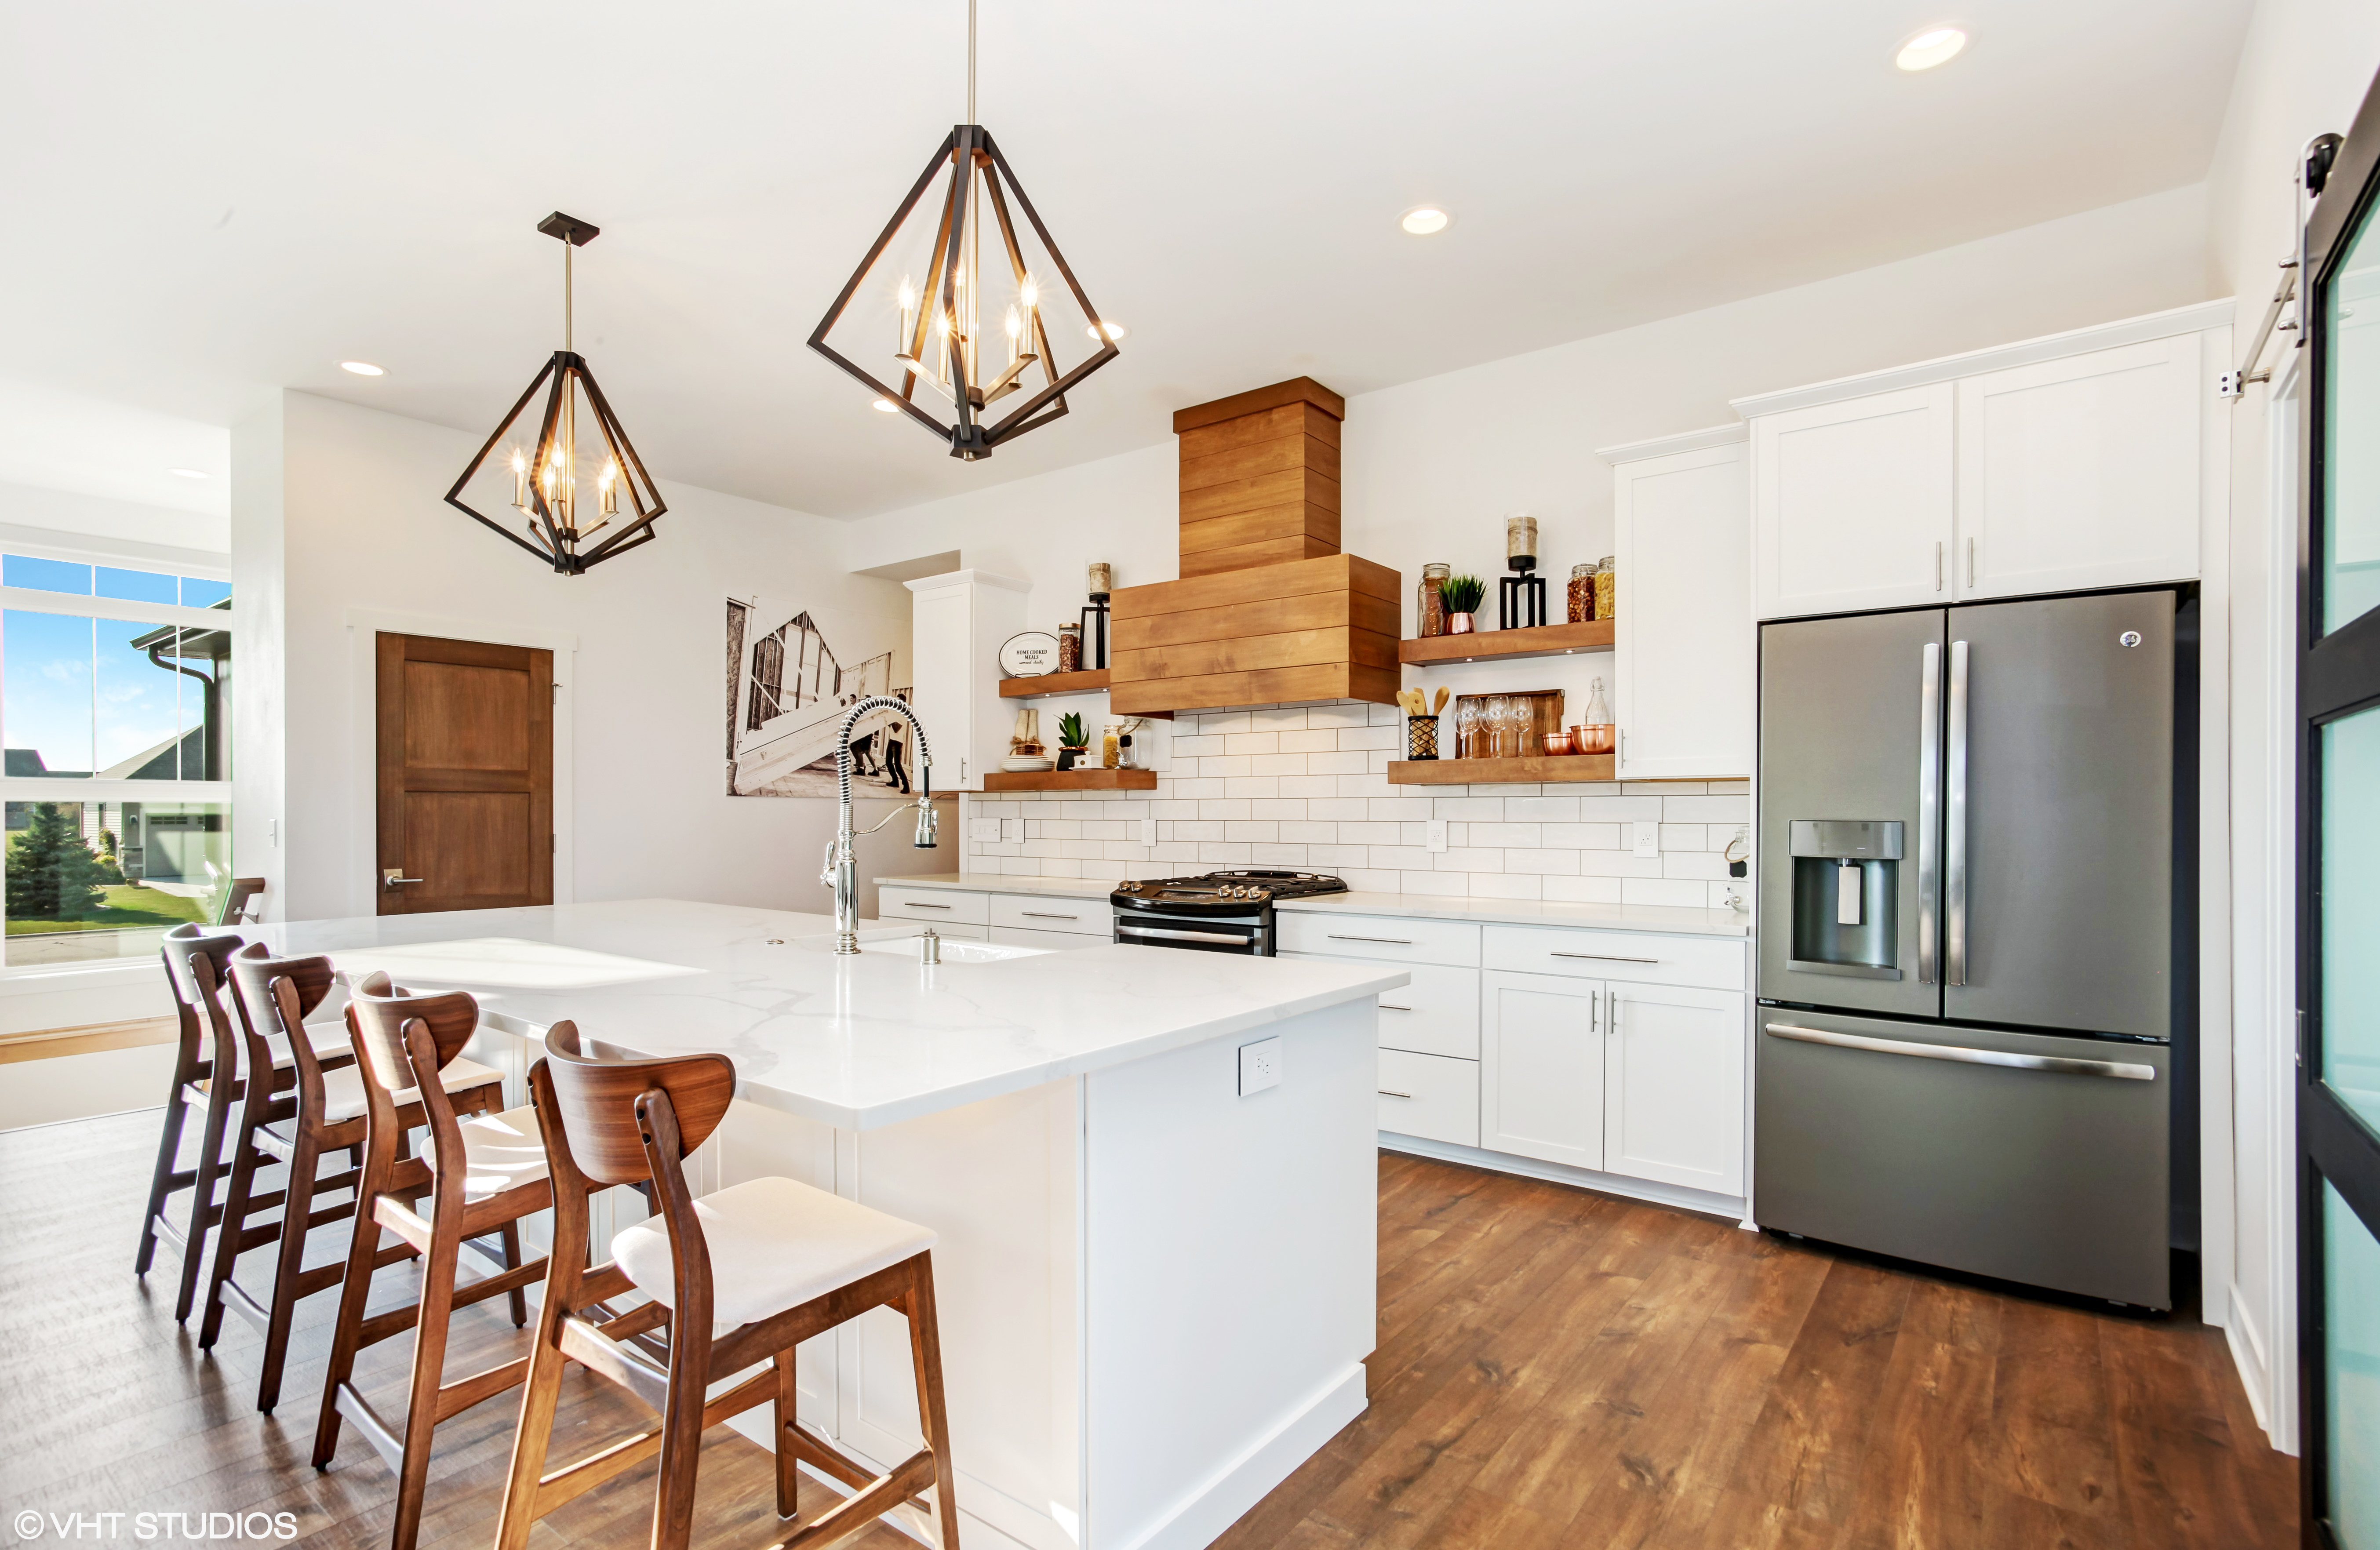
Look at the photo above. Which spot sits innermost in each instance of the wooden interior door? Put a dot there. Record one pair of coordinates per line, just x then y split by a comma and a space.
465, 775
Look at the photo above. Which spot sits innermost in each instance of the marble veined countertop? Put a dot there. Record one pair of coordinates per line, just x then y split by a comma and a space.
1420, 906
855, 1042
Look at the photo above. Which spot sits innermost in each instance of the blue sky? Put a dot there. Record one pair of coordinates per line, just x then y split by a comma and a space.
75, 690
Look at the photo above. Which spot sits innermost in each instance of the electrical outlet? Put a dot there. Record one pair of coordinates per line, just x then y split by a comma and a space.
1649, 838
1259, 1065
1013, 830
1148, 831
1435, 838
990, 830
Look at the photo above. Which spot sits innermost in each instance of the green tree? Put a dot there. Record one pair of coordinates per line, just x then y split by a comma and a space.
52, 874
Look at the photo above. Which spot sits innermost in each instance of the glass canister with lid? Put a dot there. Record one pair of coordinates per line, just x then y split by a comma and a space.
1430, 603
1582, 594
1607, 590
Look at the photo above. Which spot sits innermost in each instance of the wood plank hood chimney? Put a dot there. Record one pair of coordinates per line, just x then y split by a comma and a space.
1268, 611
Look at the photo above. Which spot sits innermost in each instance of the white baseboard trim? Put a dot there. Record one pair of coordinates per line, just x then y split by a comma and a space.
1703, 1201
2255, 1369
1201, 1517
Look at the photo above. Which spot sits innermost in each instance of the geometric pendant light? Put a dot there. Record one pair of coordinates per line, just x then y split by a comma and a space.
987, 323
540, 475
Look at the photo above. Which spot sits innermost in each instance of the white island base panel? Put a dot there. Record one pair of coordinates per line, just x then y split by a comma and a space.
1156, 1295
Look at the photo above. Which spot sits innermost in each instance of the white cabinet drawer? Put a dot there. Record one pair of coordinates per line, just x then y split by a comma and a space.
1716, 962
1430, 1097
1086, 918
936, 904
1375, 937
1054, 941
1437, 1015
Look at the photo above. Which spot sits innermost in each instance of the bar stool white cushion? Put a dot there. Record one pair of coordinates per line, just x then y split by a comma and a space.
774, 1244
500, 1151
343, 1090
329, 1041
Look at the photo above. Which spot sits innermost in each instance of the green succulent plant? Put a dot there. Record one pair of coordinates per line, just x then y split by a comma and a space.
1463, 593
1069, 730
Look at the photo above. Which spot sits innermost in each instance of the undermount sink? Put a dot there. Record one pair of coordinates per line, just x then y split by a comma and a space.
953, 953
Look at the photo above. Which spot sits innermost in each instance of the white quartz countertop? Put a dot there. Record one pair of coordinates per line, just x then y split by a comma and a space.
855, 1042
1530, 911
1419, 906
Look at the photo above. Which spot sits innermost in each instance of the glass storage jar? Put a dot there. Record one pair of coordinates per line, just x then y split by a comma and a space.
1070, 648
1607, 590
1582, 594
1430, 603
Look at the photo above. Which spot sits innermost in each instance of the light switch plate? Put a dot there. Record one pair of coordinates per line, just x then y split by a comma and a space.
1648, 837
988, 829
1148, 831
1436, 834
1012, 829
1259, 1065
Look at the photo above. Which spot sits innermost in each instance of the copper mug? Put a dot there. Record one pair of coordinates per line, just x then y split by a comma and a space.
1560, 743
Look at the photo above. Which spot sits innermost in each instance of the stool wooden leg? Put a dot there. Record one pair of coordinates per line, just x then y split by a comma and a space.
161, 1183
926, 1354
689, 1377
517, 1300
238, 1190
202, 1191
428, 1367
354, 1287
298, 1204
788, 1470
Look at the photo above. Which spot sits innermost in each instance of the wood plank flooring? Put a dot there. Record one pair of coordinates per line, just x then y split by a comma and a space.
1554, 1368
1558, 1368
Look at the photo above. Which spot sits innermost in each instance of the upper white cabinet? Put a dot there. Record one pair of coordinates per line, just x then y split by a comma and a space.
1683, 648
1851, 504
2057, 464
957, 624
2080, 472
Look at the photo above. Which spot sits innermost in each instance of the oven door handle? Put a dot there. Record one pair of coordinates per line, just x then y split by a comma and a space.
1171, 935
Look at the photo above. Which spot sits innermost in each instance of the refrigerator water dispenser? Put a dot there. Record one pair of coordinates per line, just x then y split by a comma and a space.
1846, 897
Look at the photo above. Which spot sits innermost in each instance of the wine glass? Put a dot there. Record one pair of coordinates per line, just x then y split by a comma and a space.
1466, 728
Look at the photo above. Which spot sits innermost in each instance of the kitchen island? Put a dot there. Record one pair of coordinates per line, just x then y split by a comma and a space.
1156, 1292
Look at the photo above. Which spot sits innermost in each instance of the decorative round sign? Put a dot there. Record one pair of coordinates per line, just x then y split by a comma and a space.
1030, 655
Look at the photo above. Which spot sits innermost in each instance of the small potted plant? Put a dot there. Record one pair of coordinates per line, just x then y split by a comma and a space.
1462, 594
1073, 743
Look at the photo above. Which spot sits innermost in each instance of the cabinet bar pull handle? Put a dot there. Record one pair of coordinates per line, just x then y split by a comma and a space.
1392, 941
1602, 957
1392, 1006
920, 904
1937, 564
1929, 797
1045, 915
1594, 1011
2129, 1070
1386, 1094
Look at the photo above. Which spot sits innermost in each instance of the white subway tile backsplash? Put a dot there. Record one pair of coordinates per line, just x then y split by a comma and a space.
1306, 787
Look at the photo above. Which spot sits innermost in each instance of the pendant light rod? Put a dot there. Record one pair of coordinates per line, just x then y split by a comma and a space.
565, 297
970, 117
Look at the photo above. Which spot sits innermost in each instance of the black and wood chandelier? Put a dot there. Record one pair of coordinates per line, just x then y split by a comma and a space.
971, 349
540, 483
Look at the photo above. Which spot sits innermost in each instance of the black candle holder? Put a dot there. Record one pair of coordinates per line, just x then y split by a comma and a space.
1094, 625
1521, 598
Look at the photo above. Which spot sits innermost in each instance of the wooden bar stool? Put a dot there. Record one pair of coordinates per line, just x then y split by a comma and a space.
319, 1111
743, 1275
478, 1176
206, 1077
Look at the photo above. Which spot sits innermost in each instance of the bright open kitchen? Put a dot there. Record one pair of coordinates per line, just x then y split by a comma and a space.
1014, 774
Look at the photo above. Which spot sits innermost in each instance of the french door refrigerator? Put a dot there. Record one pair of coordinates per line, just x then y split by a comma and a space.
1970, 974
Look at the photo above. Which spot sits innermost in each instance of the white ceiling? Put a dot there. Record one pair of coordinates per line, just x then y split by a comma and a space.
207, 201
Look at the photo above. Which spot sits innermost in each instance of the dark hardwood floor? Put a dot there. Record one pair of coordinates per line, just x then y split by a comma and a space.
1554, 1368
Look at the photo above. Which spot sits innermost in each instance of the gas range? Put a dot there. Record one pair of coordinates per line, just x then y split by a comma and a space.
1221, 912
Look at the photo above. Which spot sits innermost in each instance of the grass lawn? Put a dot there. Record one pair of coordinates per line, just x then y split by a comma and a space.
126, 906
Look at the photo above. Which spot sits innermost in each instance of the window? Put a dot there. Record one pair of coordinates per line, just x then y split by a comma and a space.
116, 717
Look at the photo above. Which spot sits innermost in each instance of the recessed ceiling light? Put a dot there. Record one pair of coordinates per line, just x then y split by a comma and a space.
189, 473
1934, 47
1425, 219
1114, 330
362, 369
888, 406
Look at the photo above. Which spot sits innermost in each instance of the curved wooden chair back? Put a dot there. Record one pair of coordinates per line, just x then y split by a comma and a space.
196, 962
404, 1040
275, 995
606, 1126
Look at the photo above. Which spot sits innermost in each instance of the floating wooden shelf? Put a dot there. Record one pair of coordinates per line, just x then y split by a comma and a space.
1548, 769
1071, 779
1054, 683
1546, 640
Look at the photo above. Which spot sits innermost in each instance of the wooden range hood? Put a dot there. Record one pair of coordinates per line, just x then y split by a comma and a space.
1268, 611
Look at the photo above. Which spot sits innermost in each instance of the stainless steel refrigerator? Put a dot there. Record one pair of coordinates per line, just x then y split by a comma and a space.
1971, 977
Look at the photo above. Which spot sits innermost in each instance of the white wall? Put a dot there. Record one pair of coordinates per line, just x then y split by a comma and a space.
2303, 69
340, 528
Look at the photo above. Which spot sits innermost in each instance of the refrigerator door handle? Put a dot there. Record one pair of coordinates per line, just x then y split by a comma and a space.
1954, 827
2127, 1071
1929, 813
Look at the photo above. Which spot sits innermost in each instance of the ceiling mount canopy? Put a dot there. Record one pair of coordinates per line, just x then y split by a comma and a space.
537, 473
972, 340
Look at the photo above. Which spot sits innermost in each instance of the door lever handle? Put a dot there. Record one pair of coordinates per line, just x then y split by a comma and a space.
390, 876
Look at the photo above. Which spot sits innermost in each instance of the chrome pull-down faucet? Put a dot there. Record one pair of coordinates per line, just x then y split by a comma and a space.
841, 870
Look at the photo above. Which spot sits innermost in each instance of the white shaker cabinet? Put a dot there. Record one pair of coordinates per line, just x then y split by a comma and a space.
1673, 1086
1851, 504
1541, 1068
957, 623
2082, 472
1684, 657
